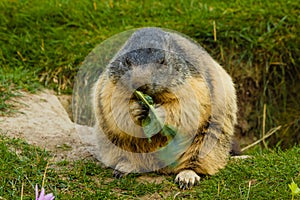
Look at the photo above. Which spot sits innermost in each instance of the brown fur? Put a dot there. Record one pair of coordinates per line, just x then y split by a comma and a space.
209, 94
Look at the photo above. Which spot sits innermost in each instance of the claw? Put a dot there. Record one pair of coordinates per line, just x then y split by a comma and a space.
138, 111
117, 174
187, 179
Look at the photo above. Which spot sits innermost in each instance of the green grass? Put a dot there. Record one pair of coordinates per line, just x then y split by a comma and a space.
12, 80
43, 43
265, 176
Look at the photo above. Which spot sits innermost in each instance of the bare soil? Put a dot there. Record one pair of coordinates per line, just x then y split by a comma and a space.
43, 121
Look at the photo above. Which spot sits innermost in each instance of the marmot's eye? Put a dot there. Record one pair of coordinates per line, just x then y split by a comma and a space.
127, 62
162, 62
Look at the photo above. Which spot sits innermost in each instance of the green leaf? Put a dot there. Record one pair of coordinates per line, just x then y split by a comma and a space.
169, 131
294, 188
149, 99
153, 124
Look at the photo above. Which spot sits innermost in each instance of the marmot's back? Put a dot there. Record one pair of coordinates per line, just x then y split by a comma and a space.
192, 94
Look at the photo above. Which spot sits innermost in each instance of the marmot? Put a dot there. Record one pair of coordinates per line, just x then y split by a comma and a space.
192, 93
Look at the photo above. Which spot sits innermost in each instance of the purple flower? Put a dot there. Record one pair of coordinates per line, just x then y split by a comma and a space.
42, 195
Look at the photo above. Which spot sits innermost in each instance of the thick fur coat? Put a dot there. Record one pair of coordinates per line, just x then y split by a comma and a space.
192, 93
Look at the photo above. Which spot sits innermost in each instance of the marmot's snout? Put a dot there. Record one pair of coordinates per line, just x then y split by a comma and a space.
144, 78
142, 69
156, 70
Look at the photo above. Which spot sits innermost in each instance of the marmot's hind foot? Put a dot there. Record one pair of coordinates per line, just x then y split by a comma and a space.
187, 179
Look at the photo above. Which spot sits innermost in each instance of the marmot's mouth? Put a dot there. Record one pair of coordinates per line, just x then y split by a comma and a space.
147, 89
152, 90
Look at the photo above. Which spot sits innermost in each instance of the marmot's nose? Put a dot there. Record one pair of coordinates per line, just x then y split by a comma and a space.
140, 82
140, 76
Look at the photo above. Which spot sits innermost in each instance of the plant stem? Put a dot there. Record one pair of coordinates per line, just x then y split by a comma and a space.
140, 95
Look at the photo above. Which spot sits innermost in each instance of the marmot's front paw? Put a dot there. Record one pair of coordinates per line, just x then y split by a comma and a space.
187, 179
138, 112
118, 174
122, 169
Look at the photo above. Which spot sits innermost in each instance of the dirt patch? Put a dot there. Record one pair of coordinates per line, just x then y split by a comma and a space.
43, 121
66, 102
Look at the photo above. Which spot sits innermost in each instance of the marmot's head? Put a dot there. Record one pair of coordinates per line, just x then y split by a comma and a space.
150, 61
